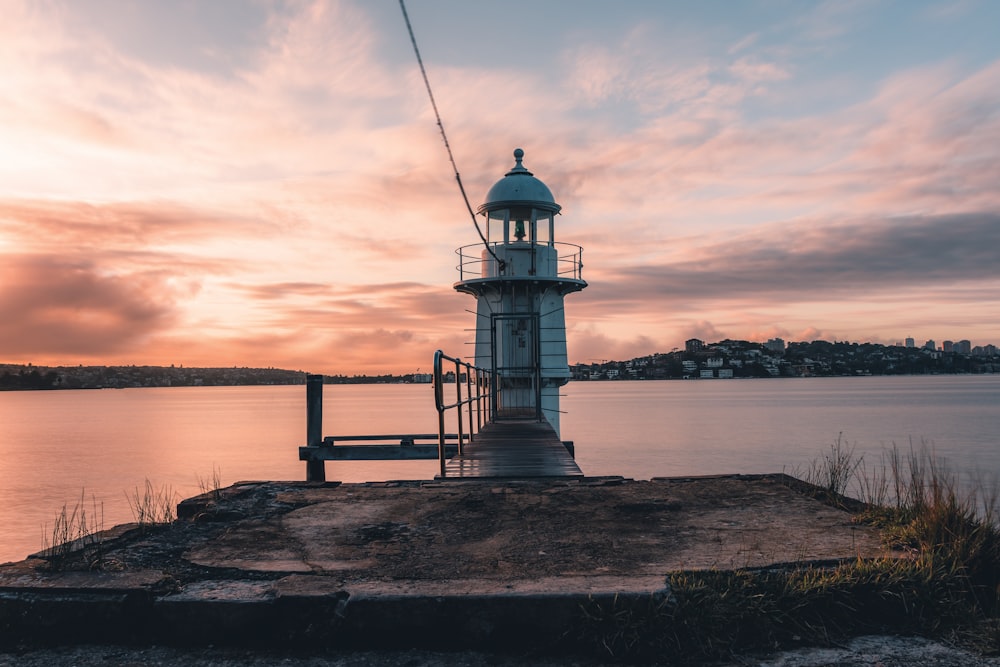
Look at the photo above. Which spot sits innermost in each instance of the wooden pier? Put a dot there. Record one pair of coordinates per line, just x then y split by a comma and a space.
515, 444
511, 449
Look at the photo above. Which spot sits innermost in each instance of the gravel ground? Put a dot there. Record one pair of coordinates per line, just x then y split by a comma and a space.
874, 651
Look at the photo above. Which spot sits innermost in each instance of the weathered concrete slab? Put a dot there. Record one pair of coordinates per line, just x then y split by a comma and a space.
415, 563
505, 532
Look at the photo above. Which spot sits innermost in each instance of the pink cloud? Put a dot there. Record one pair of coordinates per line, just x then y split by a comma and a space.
67, 224
51, 307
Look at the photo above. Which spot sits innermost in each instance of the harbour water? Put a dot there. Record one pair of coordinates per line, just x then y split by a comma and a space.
61, 448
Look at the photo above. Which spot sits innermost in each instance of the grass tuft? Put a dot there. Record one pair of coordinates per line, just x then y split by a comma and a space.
835, 470
152, 506
212, 484
73, 530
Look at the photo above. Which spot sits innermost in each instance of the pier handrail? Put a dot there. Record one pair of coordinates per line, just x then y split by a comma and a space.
474, 400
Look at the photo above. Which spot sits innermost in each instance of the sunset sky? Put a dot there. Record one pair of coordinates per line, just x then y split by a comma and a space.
257, 183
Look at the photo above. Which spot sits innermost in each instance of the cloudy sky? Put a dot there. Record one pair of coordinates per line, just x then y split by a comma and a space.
262, 183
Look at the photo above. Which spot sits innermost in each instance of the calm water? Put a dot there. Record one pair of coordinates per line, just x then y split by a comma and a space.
57, 446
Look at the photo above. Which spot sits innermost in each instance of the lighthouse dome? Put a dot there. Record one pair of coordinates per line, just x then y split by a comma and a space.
519, 188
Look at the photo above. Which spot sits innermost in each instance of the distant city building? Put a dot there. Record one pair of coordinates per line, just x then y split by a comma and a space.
930, 345
910, 342
693, 345
948, 346
775, 345
963, 347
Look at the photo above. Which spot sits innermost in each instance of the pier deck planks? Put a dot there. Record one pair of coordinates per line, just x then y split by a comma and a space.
516, 448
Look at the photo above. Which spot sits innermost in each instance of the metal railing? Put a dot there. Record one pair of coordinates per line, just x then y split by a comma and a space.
472, 263
384, 447
478, 398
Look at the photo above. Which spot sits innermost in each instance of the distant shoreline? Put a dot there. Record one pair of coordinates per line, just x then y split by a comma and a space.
368, 380
28, 377
727, 359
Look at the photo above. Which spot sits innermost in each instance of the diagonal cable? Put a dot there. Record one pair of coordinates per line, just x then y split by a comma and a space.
423, 71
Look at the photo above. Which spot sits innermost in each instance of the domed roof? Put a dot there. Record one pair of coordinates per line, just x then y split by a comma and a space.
519, 187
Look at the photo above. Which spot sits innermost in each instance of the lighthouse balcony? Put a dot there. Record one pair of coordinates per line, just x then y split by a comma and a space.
522, 259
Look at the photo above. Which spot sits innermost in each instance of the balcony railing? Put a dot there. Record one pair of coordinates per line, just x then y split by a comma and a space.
474, 262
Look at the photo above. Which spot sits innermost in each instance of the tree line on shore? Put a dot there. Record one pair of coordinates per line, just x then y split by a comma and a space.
28, 377
739, 358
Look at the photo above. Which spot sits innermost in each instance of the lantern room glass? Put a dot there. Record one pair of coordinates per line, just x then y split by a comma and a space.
513, 225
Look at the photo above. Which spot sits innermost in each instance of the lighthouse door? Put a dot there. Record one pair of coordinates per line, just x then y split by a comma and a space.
515, 352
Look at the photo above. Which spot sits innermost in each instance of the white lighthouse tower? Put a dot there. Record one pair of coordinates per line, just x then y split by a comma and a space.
519, 280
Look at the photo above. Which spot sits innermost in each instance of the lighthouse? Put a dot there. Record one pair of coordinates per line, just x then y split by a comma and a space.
520, 275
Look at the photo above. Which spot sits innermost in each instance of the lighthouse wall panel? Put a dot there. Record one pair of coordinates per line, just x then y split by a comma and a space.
484, 355
550, 407
552, 336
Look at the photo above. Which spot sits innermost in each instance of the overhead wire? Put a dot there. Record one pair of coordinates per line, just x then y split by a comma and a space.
458, 178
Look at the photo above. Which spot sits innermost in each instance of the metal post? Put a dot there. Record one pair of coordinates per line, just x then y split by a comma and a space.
479, 404
468, 397
315, 470
458, 401
479, 400
439, 404
491, 379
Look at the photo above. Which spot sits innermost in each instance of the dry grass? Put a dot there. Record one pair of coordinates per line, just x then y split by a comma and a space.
835, 471
152, 506
73, 530
212, 484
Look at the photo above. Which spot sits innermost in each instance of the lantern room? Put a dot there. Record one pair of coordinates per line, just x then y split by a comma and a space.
520, 208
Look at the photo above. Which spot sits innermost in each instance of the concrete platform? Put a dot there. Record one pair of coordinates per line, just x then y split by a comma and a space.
454, 564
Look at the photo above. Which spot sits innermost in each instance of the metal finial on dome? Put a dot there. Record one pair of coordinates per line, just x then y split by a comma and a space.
518, 167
